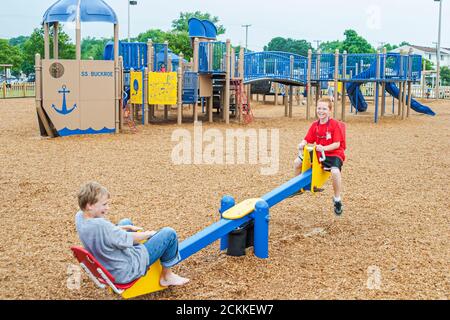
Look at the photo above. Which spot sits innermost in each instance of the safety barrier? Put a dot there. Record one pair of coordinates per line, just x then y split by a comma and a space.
212, 56
278, 66
17, 90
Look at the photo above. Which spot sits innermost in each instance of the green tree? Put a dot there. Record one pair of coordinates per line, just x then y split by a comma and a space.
300, 47
179, 41
428, 64
35, 44
93, 48
11, 55
331, 46
354, 43
18, 41
181, 24
445, 76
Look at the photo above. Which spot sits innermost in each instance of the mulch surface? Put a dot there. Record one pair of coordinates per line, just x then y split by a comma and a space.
396, 220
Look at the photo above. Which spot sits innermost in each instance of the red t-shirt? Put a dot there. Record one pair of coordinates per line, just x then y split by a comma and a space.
326, 134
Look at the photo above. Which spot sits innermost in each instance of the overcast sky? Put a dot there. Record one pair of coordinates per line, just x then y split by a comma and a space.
393, 21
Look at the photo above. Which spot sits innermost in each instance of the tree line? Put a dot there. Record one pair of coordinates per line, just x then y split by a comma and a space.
20, 51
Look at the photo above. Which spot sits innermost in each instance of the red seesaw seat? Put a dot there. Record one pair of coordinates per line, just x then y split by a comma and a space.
147, 284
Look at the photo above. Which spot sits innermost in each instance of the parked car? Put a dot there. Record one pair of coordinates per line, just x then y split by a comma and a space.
31, 78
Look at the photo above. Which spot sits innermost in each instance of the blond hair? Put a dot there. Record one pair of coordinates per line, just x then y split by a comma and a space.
329, 101
91, 193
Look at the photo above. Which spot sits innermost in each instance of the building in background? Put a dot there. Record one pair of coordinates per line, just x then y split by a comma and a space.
428, 53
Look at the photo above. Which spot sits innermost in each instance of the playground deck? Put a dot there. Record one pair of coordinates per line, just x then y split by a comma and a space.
395, 197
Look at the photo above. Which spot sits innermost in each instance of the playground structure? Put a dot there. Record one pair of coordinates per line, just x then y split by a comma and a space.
77, 96
233, 216
214, 76
348, 71
90, 97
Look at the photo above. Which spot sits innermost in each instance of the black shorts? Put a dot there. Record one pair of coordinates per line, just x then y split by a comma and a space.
332, 162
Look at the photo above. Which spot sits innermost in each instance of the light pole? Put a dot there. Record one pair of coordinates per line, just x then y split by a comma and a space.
130, 3
438, 53
246, 26
318, 43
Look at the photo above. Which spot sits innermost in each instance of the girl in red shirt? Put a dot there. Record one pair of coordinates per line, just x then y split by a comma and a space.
329, 136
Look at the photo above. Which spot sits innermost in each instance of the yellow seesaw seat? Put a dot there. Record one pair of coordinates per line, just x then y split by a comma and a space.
241, 210
319, 175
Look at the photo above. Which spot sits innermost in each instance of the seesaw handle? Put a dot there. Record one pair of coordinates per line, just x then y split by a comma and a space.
311, 148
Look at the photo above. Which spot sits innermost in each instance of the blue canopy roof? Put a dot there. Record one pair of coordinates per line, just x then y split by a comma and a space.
90, 11
202, 29
210, 28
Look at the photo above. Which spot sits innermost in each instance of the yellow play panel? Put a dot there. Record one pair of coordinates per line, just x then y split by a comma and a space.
241, 210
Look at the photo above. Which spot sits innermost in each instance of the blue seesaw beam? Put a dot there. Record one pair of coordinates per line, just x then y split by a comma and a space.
209, 235
223, 227
288, 189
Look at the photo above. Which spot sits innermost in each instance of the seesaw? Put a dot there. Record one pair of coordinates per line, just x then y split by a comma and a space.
233, 216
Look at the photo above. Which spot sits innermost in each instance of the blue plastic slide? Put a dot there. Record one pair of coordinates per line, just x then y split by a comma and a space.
393, 90
360, 104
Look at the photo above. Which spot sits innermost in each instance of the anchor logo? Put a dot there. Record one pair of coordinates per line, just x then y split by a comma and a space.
64, 109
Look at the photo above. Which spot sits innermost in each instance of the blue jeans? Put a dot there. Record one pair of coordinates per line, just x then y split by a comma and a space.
162, 246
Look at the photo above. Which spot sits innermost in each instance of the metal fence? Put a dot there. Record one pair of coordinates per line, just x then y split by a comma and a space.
17, 90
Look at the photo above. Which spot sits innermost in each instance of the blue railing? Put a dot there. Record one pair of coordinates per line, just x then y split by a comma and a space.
190, 87
275, 66
212, 57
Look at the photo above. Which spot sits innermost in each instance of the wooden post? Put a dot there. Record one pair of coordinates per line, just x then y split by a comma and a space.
401, 87
145, 108
227, 82
180, 93
408, 108
55, 40
344, 88
38, 89
150, 55
276, 93
121, 86
233, 64
308, 84
424, 63
241, 78
195, 68
286, 101
210, 108
291, 98
78, 35
46, 41
169, 69
117, 75
210, 55
195, 57
336, 81
150, 67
